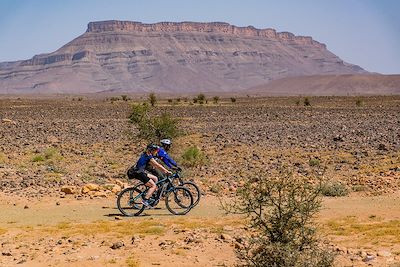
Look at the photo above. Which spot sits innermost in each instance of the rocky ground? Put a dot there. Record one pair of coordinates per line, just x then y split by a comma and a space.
78, 149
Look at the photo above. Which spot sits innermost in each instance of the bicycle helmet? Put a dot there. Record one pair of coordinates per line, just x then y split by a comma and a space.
166, 142
152, 147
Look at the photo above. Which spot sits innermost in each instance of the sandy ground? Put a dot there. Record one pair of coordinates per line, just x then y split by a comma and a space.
70, 232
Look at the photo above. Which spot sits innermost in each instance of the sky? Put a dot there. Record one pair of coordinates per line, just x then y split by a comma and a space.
361, 32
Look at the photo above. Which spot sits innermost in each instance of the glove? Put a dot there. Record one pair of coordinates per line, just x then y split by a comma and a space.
177, 169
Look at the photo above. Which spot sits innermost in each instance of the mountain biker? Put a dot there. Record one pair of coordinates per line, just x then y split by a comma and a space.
165, 158
163, 154
139, 172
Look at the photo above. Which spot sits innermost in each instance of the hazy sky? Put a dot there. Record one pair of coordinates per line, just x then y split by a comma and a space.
362, 32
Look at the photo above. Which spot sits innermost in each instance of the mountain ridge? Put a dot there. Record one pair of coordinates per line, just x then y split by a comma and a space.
170, 57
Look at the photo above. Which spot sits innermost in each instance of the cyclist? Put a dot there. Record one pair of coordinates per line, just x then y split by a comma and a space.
139, 172
162, 154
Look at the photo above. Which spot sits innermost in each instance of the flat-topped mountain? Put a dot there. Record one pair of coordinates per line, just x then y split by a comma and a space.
169, 57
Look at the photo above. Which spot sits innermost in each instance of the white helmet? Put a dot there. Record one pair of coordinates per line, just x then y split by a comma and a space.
166, 142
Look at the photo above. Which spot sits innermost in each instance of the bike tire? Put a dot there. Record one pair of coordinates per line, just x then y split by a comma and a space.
194, 190
179, 201
129, 201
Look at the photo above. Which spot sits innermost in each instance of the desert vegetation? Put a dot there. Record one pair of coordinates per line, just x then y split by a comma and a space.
75, 153
281, 207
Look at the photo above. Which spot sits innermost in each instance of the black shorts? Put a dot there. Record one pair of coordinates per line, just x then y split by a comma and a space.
140, 175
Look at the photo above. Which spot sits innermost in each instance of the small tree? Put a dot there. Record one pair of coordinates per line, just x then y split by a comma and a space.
307, 102
153, 128
152, 99
281, 209
216, 99
233, 100
201, 97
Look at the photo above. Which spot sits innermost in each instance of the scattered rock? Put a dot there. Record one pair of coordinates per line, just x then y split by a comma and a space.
228, 228
8, 121
135, 238
226, 237
100, 194
382, 147
68, 190
117, 245
368, 258
90, 187
384, 253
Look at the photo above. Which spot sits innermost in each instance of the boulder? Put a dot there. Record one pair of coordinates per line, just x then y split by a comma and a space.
68, 189
90, 187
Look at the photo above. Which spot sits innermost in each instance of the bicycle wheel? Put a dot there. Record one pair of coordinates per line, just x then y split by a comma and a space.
129, 201
194, 190
179, 201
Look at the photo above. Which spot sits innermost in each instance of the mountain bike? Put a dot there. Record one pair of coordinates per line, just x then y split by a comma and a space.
193, 188
178, 199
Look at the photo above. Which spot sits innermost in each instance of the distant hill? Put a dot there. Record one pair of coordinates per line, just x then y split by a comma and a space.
373, 84
167, 57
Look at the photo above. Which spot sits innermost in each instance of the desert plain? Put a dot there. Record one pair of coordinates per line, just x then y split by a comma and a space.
64, 159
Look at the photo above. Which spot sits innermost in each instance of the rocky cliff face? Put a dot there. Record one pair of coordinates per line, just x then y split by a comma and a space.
124, 56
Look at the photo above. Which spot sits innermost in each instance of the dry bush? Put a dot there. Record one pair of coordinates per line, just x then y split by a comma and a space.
281, 208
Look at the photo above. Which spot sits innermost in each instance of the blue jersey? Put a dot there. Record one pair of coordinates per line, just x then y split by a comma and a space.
163, 155
143, 161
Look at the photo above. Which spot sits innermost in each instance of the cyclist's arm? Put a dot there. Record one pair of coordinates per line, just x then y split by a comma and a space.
168, 161
157, 165
171, 161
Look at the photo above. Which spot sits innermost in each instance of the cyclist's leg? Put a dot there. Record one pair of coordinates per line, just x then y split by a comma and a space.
155, 172
150, 181
152, 177
152, 187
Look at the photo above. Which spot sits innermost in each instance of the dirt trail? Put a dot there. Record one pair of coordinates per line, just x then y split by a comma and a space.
51, 211
81, 232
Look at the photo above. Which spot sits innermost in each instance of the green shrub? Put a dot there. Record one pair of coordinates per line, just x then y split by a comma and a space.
314, 162
38, 158
47, 154
334, 189
153, 128
152, 99
193, 156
